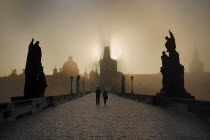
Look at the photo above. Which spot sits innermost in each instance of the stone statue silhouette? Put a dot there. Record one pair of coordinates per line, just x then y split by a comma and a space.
35, 82
123, 84
77, 84
172, 71
170, 42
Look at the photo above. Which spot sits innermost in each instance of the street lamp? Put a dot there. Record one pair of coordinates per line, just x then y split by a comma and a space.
71, 83
132, 83
84, 84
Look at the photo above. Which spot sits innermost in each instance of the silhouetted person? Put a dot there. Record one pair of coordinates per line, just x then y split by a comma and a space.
98, 93
105, 95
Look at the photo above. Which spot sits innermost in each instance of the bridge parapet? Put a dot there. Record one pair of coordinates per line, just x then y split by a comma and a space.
198, 108
19, 109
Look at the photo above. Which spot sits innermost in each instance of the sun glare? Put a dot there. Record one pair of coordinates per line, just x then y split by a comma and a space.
96, 52
116, 50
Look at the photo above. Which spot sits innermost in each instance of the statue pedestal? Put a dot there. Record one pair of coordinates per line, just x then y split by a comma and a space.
178, 95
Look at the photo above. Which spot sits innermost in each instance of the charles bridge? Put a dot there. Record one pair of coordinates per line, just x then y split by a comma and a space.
173, 113
132, 117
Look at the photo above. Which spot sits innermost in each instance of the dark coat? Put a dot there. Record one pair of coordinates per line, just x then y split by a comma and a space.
105, 94
98, 92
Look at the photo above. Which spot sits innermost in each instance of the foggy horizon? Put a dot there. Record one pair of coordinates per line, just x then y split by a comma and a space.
135, 29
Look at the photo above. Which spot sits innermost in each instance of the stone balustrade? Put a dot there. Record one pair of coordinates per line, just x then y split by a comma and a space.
198, 108
19, 109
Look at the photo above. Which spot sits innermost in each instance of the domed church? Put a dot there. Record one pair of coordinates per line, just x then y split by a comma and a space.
70, 68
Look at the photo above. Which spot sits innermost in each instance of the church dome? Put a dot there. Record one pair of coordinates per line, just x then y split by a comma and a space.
70, 68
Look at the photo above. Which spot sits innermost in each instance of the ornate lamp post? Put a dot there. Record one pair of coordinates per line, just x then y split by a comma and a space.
132, 83
84, 84
71, 83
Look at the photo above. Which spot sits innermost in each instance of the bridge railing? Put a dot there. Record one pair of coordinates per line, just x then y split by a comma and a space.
199, 108
19, 109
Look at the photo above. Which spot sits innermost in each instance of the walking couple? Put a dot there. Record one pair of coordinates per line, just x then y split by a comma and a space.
98, 93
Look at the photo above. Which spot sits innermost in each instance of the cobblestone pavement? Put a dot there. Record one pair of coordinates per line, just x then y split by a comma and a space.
120, 119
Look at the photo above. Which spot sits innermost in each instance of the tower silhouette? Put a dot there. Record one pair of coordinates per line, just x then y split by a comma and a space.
109, 76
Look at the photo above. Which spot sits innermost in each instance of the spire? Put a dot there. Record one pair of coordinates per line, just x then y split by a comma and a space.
55, 71
106, 53
85, 74
196, 65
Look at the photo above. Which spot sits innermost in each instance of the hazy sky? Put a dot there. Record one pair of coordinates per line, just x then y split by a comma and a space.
136, 30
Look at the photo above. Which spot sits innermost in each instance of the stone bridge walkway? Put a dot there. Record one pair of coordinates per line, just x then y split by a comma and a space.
120, 119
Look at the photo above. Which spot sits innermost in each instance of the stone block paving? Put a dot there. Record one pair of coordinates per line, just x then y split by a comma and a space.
121, 119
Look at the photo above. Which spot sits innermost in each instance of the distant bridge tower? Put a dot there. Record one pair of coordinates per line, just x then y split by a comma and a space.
196, 65
109, 77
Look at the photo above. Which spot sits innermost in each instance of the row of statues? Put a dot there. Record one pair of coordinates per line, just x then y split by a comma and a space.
172, 72
78, 83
